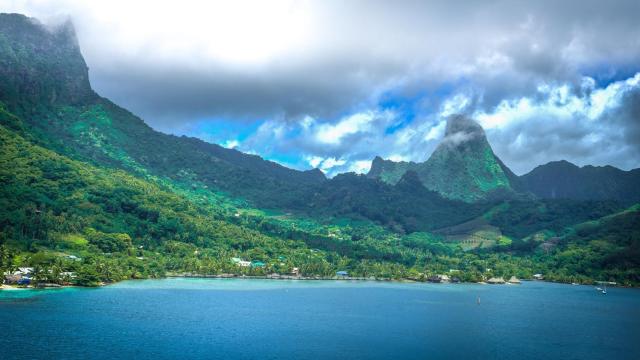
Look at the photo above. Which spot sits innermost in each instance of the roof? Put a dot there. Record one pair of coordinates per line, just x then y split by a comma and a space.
342, 273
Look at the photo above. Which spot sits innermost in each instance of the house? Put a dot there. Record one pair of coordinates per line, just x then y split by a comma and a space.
295, 271
538, 276
68, 274
240, 262
72, 257
256, 264
25, 270
342, 273
439, 278
12, 278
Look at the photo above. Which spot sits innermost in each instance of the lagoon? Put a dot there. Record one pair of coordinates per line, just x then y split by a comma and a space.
269, 319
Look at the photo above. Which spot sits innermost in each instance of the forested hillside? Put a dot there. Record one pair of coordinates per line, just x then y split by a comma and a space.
89, 188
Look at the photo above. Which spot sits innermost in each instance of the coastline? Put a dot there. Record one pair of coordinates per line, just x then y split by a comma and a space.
286, 277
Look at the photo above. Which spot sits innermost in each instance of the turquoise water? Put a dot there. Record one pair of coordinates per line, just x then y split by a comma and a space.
256, 319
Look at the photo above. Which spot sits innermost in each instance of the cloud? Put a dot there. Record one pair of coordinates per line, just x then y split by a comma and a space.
588, 125
351, 80
252, 59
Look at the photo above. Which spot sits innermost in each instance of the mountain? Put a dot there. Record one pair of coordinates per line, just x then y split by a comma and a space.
47, 85
80, 175
39, 66
564, 180
463, 166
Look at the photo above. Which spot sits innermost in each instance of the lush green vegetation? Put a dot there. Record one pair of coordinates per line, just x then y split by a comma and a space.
91, 194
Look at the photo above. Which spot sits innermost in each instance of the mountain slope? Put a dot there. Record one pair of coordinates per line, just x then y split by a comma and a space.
564, 180
462, 167
47, 85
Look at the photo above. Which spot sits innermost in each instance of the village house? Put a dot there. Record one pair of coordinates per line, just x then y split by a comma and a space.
242, 263
538, 276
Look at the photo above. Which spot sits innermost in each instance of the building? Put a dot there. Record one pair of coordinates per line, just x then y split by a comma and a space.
538, 276
12, 278
496, 280
24, 270
240, 262
342, 273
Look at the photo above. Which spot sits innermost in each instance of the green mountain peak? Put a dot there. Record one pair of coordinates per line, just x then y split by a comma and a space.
463, 166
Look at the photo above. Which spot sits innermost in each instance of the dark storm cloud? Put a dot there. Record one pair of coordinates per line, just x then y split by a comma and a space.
169, 94
279, 63
354, 50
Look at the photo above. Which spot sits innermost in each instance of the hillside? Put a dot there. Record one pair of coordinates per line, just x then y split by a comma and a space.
463, 166
564, 180
48, 88
81, 176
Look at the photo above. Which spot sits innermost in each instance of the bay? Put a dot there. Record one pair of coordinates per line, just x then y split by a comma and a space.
268, 319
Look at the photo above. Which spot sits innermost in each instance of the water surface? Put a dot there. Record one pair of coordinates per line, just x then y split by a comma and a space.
263, 319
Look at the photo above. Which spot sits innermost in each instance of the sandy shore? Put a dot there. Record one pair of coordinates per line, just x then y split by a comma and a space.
9, 287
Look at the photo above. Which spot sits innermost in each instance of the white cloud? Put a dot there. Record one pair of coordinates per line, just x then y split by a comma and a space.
231, 144
360, 167
333, 134
314, 161
454, 105
558, 102
587, 126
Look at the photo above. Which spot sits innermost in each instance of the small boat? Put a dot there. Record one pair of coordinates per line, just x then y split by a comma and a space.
598, 289
604, 291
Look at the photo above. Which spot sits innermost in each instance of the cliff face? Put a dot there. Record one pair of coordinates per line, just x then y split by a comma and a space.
39, 65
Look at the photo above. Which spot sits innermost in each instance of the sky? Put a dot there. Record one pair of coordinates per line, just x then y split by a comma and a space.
332, 84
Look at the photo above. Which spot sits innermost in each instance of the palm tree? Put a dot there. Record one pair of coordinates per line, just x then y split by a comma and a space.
5, 257
39, 274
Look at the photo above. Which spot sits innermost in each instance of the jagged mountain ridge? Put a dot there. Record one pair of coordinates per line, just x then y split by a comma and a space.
462, 167
564, 180
451, 170
48, 85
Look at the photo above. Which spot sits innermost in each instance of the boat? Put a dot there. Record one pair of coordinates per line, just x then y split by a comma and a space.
598, 289
604, 291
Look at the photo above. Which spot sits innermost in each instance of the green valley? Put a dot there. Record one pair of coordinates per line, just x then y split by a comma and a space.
89, 189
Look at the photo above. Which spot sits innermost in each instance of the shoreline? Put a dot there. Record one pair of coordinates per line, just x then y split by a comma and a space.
290, 278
